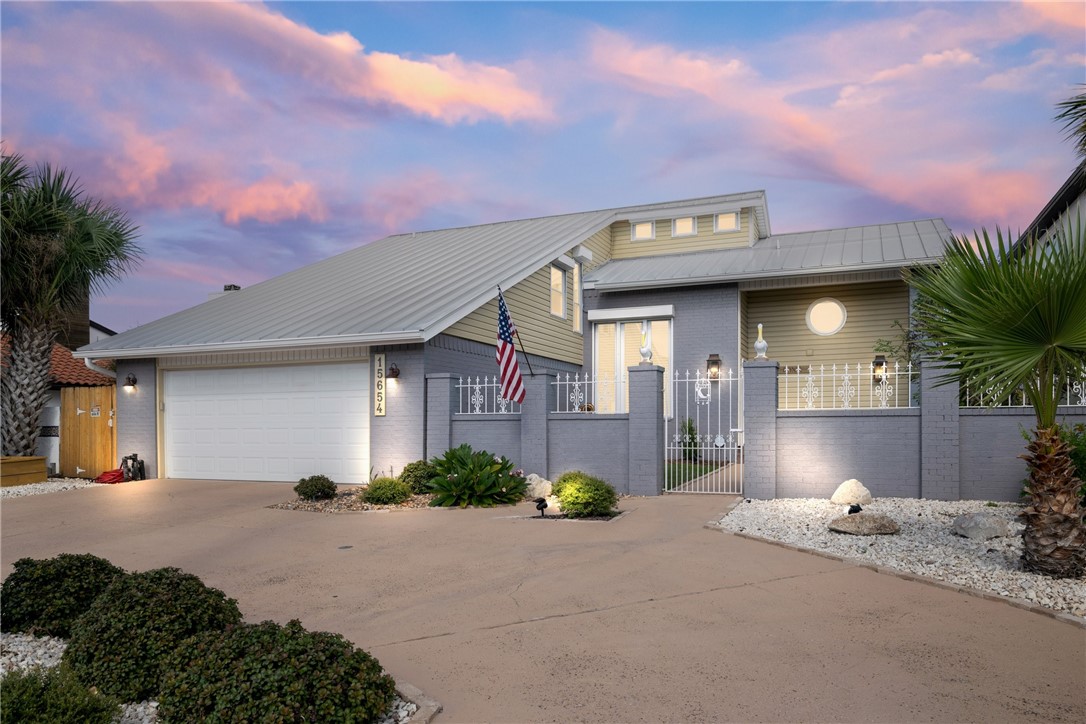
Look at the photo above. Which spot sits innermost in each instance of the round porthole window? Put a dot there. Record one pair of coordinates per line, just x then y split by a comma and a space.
826, 316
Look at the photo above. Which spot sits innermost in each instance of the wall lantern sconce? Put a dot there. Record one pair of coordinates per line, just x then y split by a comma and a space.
880, 368
130, 382
393, 372
712, 366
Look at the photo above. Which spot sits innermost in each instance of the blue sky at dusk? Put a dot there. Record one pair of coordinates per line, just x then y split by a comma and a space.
250, 139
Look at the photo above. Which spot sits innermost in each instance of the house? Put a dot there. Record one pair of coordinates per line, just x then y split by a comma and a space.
1067, 206
293, 376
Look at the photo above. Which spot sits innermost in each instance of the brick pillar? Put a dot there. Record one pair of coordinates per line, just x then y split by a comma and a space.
940, 470
760, 429
538, 401
441, 405
646, 429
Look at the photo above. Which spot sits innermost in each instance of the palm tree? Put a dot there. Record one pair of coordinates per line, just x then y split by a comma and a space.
57, 247
1073, 114
1018, 321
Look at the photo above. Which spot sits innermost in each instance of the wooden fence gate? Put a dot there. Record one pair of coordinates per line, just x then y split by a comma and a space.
88, 437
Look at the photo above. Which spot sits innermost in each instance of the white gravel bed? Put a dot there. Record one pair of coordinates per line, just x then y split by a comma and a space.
23, 651
52, 485
926, 545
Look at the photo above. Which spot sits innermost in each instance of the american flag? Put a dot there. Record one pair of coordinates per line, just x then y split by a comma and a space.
512, 384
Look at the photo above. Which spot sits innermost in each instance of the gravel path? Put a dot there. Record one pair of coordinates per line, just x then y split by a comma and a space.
926, 546
52, 485
23, 651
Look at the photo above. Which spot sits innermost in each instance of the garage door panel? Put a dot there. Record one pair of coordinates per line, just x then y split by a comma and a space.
268, 423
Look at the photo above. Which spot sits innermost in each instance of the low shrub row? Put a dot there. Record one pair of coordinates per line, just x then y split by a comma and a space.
584, 496
164, 633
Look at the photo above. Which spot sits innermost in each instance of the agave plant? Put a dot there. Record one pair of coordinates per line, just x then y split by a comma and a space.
1017, 320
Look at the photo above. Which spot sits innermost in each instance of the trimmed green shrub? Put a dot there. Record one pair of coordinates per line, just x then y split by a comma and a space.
418, 475
52, 696
272, 673
316, 487
44, 596
465, 477
583, 496
386, 491
120, 643
564, 478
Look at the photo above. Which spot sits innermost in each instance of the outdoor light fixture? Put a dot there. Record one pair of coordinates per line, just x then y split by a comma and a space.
393, 372
712, 365
130, 382
541, 506
880, 368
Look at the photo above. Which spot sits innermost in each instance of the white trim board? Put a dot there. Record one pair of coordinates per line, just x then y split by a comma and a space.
655, 312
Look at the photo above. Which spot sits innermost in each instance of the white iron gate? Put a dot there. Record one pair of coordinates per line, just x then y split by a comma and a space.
703, 448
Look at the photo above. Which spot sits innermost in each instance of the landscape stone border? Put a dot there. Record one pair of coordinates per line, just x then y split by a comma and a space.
427, 708
904, 575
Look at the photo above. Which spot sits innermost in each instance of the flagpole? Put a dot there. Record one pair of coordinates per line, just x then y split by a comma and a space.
517, 332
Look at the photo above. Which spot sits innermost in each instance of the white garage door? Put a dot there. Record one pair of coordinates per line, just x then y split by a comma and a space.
268, 423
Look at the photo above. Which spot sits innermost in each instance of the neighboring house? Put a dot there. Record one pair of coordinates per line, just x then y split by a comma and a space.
1067, 206
277, 381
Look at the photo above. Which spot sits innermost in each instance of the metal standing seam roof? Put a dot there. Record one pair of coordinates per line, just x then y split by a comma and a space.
858, 248
401, 289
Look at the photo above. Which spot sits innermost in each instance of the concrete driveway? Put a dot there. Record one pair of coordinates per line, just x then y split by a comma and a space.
647, 618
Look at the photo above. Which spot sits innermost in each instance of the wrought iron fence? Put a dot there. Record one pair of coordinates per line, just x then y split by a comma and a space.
1072, 393
703, 439
860, 386
482, 396
582, 392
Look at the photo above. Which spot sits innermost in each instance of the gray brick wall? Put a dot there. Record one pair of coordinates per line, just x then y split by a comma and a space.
538, 401
939, 468
441, 403
596, 444
497, 434
398, 438
760, 429
816, 452
136, 417
646, 430
706, 321
991, 441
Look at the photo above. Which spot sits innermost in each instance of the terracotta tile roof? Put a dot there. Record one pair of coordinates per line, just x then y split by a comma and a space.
65, 370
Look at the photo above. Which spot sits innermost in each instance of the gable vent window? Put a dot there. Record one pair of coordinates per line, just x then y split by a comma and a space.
726, 222
643, 230
684, 226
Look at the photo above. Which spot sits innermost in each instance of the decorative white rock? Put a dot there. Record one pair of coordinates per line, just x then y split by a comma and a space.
537, 487
849, 492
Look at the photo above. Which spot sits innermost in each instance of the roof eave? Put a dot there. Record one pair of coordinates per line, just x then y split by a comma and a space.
727, 278
404, 337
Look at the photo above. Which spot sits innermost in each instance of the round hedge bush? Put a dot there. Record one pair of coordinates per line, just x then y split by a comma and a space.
418, 475
268, 672
386, 491
584, 496
52, 696
566, 477
316, 487
120, 643
45, 596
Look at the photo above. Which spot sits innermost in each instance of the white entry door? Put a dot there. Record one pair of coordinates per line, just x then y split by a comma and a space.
268, 423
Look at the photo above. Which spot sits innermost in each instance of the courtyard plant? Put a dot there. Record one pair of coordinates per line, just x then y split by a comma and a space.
266, 672
466, 477
418, 475
44, 597
1009, 320
121, 643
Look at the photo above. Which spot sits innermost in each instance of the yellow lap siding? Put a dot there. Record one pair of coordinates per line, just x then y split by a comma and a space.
623, 247
529, 305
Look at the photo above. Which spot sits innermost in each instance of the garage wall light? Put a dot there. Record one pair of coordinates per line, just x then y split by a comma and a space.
393, 372
130, 382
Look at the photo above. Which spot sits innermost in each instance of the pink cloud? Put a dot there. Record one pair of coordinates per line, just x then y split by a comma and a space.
268, 200
394, 203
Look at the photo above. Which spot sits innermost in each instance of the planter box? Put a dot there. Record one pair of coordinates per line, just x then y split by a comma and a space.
22, 470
